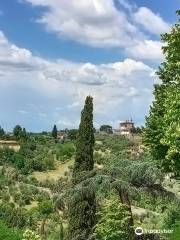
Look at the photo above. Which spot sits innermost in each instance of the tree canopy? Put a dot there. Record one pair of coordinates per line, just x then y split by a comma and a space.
162, 132
106, 128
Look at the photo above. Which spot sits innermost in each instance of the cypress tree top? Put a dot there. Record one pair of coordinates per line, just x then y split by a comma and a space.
54, 132
85, 140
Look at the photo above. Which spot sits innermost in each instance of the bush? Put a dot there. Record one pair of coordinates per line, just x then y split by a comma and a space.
9, 233
143, 174
176, 233
113, 221
65, 151
30, 235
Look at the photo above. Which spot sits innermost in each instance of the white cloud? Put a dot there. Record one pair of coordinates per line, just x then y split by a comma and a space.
146, 50
67, 123
23, 112
120, 89
151, 21
127, 5
93, 22
99, 23
15, 57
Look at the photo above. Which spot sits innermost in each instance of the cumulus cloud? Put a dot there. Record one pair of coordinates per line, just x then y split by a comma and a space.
15, 57
152, 22
93, 22
58, 88
99, 23
146, 50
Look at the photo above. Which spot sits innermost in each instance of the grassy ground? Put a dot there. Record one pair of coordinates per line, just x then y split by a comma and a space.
60, 170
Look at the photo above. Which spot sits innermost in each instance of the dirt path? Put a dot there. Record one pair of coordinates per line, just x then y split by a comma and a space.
172, 185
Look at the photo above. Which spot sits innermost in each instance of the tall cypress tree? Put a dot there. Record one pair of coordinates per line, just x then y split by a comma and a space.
54, 132
85, 141
81, 212
2, 132
82, 204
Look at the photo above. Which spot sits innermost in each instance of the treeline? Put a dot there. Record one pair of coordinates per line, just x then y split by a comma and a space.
38, 152
19, 133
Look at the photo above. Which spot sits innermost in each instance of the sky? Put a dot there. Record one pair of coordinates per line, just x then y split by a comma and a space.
53, 53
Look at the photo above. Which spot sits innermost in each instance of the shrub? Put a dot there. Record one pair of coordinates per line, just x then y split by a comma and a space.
113, 221
9, 233
30, 235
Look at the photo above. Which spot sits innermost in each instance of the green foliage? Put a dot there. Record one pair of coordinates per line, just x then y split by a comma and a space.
106, 128
82, 207
2, 132
13, 217
172, 216
17, 131
154, 125
117, 145
65, 151
162, 130
30, 235
20, 133
54, 132
143, 174
171, 128
32, 156
9, 233
85, 140
176, 232
6, 155
45, 208
82, 203
113, 221
72, 134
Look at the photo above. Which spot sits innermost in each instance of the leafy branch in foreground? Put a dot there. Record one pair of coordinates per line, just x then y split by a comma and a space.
162, 132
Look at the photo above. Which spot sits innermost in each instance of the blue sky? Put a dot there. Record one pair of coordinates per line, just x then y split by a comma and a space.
53, 53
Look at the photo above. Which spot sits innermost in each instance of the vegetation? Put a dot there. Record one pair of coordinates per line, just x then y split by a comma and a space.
19, 133
30, 235
85, 141
2, 132
54, 132
106, 128
97, 185
162, 132
82, 204
113, 221
8, 233
41, 205
72, 134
